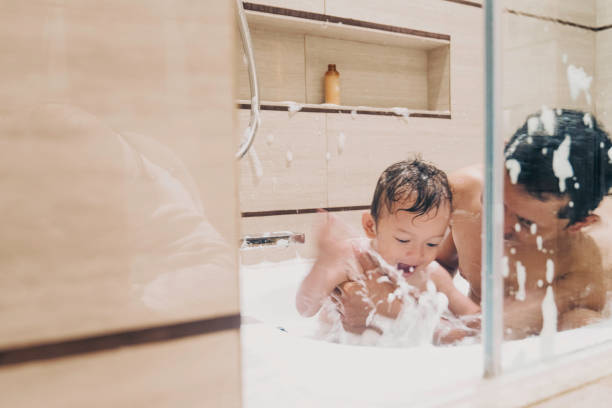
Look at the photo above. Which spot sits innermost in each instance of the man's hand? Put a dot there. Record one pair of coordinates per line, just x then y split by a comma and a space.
358, 300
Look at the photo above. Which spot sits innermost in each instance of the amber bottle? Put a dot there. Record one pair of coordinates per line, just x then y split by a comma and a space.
332, 85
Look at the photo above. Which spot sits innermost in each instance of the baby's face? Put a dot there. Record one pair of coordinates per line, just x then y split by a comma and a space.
410, 242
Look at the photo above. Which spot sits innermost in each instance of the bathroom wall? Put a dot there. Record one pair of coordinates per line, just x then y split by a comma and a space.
541, 41
119, 208
603, 63
335, 159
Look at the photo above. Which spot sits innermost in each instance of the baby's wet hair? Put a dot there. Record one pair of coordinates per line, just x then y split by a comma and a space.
412, 179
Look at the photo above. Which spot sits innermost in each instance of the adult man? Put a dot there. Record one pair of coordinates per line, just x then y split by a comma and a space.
558, 170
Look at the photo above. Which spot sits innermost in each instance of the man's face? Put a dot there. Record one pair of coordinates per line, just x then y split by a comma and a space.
410, 242
526, 217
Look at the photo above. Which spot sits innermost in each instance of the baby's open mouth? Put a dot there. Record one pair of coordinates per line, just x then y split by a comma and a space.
406, 269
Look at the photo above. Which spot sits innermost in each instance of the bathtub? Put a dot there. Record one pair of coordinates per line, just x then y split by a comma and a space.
284, 367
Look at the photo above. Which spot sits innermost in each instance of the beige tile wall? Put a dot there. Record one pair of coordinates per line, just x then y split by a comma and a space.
537, 55
604, 13
279, 58
201, 371
277, 182
578, 12
603, 68
371, 143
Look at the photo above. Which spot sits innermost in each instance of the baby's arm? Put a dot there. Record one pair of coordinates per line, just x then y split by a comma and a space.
336, 263
325, 275
458, 303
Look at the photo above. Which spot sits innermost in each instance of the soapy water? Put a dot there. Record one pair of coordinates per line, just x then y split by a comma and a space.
270, 293
418, 322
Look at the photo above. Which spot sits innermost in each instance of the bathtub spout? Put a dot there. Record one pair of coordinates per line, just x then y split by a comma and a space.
272, 239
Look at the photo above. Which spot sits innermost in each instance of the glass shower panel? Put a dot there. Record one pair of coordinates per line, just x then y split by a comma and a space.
118, 195
556, 263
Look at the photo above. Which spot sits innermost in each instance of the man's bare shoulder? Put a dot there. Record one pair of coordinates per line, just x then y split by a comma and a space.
466, 184
600, 233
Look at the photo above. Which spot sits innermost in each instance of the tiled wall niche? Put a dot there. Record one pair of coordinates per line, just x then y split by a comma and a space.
378, 67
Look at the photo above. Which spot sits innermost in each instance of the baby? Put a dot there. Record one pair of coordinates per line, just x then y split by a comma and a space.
408, 220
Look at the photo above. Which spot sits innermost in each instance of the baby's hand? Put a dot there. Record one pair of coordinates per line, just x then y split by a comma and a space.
337, 247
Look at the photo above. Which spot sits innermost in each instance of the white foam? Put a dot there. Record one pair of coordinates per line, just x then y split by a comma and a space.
270, 139
550, 270
540, 283
539, 242
544, 151
255, 162
561, 165
588, 120
547, 118
533, 228
533, 124
576, 185
549, 326
517, 227
403, 113
521, 277
341, 142
294, 107
571, 204
383, 278
514, 169
505, 267
513, 251
610, 154
579, 82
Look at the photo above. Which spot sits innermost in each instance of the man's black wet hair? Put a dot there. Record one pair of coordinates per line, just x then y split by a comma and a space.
533, 146
412, 179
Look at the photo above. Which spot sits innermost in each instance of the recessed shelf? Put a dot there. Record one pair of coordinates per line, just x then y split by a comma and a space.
381, 66
323, 25
351, 110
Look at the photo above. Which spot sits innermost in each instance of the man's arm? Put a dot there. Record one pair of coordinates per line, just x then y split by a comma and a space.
447, 254
357, 299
